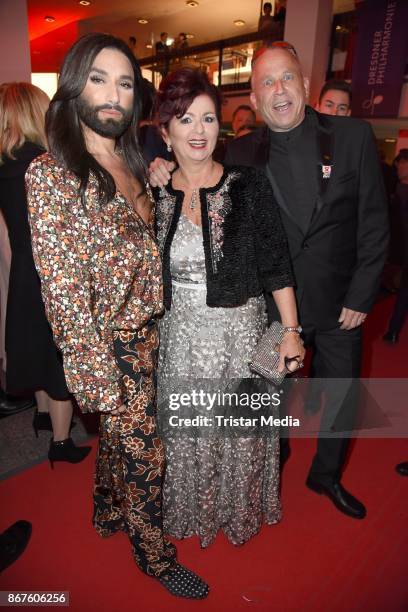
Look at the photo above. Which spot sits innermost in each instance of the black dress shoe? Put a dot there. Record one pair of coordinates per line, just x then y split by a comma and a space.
391, 337
13, 542
402, 468
342, 499
13, 405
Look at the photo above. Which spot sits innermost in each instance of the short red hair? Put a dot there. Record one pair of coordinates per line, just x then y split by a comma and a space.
178, 91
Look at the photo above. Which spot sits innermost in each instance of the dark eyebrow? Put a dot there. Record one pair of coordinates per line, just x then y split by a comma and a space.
193, 114
333, 102
100, 71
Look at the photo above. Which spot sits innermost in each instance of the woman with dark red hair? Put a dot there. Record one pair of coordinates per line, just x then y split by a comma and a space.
222, 246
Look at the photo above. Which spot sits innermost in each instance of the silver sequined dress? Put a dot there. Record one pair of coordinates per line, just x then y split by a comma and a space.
219, 482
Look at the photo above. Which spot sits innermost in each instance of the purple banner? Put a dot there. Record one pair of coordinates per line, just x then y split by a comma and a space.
380, 58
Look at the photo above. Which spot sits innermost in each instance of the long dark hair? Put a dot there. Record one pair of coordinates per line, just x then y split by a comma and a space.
63, 128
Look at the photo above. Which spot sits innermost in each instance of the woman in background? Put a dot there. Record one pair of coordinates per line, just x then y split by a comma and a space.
33, 362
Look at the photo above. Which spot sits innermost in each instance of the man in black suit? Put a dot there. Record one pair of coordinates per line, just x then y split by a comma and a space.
162, 49
326, 177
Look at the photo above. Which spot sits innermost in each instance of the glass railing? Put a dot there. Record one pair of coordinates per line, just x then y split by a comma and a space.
227, 62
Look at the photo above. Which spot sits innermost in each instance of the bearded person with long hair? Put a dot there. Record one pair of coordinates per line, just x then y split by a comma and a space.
94, 248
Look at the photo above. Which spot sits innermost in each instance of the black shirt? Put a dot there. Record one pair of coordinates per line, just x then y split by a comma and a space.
293, 160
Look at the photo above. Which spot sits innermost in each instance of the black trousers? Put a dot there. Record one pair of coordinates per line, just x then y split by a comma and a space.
401, 305
336, 355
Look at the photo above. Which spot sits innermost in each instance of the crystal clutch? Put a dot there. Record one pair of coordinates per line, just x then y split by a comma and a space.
265, 360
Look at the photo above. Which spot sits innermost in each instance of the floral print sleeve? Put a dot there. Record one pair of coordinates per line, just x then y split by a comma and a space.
90, 367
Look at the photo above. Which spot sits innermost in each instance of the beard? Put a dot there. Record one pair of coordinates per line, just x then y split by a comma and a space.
110, 127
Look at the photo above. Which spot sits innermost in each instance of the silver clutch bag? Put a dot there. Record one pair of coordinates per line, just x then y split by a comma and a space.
265, 360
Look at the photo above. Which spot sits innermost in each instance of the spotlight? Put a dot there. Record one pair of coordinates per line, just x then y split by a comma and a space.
142, 21
239, 23
84, 2
189, 35
49, 18
192, 3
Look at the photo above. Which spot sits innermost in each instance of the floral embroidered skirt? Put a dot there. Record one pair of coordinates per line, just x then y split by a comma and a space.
129, 468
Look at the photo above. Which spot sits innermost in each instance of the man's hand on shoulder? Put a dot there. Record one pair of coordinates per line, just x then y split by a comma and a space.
351, 319
159, 172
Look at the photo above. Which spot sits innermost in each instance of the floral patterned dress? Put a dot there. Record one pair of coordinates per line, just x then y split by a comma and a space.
100, 277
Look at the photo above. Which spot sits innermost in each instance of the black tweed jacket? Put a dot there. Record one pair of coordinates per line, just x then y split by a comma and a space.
245, 245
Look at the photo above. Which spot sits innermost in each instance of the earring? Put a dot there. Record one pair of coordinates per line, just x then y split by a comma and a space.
169, 149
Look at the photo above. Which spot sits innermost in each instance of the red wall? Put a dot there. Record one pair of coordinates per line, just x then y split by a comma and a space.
48, 51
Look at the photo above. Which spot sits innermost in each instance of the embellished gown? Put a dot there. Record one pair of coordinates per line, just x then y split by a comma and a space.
216, 482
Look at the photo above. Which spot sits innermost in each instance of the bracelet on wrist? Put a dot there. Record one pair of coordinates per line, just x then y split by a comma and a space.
297, 330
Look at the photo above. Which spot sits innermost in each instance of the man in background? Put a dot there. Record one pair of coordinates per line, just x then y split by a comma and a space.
132, 44
266, 21
400, 205
243, 116
335, 98
163, 50
161, 45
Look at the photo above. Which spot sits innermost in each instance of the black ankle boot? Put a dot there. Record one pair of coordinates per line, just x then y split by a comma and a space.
42, 422
65, 450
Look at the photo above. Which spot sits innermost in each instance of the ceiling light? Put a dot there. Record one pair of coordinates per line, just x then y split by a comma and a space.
239, 22
84, 2
142, 21
189, 35
169, 42
390, 140
192, 3
149, 46
49, 18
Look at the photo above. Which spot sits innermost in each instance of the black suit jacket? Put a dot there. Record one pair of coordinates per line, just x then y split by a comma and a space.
339, 259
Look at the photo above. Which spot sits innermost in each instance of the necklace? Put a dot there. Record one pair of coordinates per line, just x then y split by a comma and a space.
195, 192
193, 201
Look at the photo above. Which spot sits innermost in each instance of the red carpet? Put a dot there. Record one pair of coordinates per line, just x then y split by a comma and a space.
315, 560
